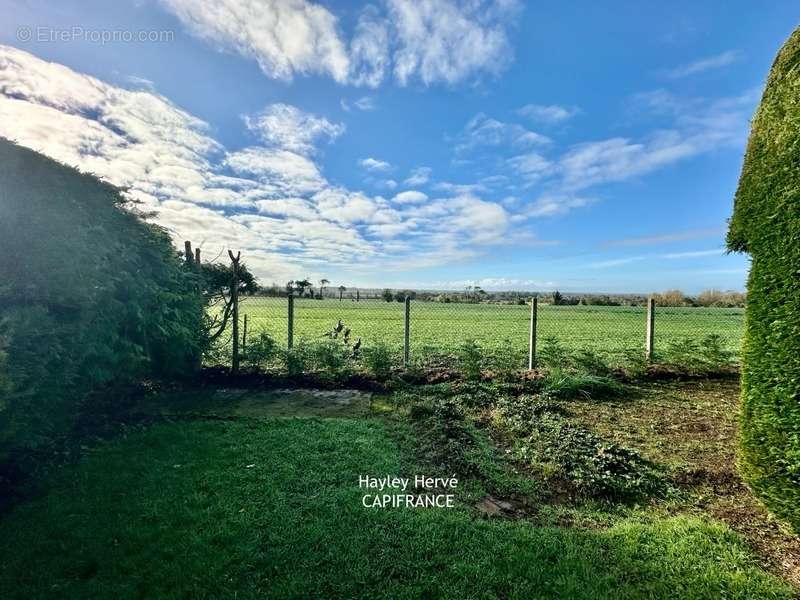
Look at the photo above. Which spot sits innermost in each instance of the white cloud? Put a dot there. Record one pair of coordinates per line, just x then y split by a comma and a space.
433, 40
440, 40
696, 253
705, 64
419, 176
364, 103
550, 204
531, 166
272, 201
373, 164
287, 172
551, 114
700, 126
688, 234
410, 197
370, 48
484, 131
288, 127
616, 262
284, 36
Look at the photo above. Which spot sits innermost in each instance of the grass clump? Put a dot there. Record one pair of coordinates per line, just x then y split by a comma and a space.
572, 374
565, 385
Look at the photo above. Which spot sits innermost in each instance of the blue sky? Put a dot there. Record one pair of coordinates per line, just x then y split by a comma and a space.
583, 146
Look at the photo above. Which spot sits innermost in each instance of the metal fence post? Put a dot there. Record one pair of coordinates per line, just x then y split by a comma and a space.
650, 330
290, 321
407, 332
532, 337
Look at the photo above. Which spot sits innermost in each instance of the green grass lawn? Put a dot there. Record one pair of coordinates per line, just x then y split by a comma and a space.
270, 507
443, 327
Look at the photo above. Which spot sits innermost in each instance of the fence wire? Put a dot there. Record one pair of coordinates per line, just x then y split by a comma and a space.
503, 329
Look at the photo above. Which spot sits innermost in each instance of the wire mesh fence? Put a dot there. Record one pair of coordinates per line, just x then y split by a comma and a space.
439, 328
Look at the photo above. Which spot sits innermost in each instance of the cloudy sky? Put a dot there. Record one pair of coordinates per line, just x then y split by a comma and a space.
588, 146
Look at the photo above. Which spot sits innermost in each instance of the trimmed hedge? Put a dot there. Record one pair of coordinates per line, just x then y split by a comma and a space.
766, 224
89, 295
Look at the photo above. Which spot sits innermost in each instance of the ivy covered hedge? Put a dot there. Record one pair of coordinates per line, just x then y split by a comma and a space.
766, 225
89, 295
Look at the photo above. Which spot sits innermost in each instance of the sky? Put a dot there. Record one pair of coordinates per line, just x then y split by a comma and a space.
581, 146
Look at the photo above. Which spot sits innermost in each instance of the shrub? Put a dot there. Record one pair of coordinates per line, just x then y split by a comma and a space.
90, 295
714, 356
506, 361
378, 360
332, 359
552, 353
470, 360
260, 351
766, 225
297, 359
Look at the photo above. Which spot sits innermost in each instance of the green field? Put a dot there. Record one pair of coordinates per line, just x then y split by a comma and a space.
442, 327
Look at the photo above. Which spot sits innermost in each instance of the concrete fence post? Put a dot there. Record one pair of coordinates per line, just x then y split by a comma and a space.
407, 332
532, 335
650, 328
244, 335
234, 302
290, 321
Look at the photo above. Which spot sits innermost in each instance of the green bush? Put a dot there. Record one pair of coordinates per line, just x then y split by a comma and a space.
766, 225
332, 359
378, 360
506, 361
89, 295
470, 360
297, 359
261, 351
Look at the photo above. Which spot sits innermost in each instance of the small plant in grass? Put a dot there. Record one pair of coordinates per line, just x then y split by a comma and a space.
470, 360
716, 357
592, 362
260, 351
378, 359
505, 361
635, 363
553, 354
296, 360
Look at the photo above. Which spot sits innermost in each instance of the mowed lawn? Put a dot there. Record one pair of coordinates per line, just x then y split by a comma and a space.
270, 507
442, 327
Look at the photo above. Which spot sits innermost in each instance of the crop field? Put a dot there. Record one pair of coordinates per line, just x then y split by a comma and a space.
440, 327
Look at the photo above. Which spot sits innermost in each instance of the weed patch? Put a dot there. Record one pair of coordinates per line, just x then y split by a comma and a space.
561, 451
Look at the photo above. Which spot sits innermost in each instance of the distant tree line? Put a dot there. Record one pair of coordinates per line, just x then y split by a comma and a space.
305, 288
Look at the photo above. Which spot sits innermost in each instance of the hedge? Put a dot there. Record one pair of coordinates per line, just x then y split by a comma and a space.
90, 295
766, 225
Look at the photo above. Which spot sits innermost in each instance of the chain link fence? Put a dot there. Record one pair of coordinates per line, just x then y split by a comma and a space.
440, 328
